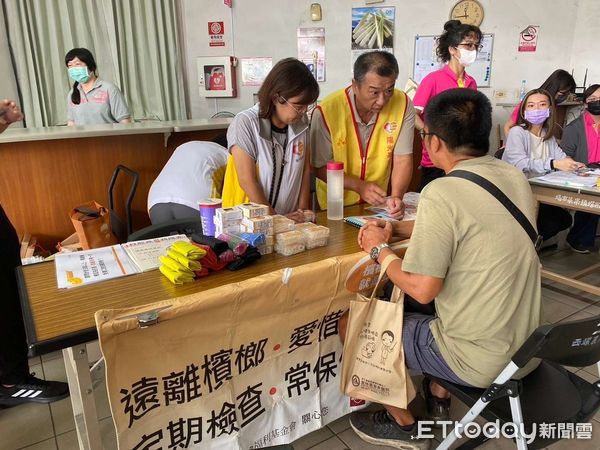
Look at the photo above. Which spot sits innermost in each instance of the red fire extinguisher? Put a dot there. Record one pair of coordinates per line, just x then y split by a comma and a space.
216, 82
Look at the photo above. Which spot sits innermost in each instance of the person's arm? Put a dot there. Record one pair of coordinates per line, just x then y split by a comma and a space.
419, 124
512, 120
560, 160
402, 163
518, 153
245, 168
10, 114
569, 140
118, 106
423, 288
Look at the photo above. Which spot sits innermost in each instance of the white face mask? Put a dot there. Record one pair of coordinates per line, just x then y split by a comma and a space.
467, 57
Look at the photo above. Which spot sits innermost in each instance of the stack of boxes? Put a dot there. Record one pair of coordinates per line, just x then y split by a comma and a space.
281, 234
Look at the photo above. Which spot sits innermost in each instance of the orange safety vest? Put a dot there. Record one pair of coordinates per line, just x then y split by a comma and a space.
372, 163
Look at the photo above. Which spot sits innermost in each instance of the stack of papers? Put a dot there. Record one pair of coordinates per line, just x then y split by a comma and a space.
91, 266
589, 179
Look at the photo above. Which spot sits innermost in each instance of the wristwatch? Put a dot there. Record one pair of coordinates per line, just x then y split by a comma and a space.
374, 253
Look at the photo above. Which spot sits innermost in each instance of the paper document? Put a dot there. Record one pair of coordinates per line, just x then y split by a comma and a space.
570, 179
410, 199
145, 253
91, 266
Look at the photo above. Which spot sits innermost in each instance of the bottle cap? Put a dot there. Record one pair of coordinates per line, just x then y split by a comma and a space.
335, 165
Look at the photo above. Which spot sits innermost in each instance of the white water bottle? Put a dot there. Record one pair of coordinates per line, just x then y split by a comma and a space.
335, 190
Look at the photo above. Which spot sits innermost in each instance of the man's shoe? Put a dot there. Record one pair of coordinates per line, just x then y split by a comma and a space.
437, 408
32, 389
582, 249
380, 428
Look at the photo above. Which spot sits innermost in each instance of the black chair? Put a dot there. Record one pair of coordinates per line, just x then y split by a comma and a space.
550, 394
122, 229
177, 226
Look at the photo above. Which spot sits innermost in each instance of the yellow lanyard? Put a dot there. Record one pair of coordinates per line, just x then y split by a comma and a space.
460, 82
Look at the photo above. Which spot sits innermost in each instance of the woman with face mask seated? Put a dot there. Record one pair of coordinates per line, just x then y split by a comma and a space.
581, 141
92, 100
532, 147
458, 46
560, 84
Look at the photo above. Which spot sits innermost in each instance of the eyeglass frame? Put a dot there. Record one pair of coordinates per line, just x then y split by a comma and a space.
478, 47
301, 111
423, 133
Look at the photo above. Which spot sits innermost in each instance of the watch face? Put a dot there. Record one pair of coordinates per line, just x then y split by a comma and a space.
468, 12
374, 253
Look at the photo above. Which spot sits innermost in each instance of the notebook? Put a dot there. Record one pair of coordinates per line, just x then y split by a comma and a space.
359, 221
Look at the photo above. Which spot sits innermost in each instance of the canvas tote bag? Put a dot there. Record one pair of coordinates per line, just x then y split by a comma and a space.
373, 366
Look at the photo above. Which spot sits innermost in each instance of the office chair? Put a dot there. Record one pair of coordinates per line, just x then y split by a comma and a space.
177, 226
550, 394
122, 229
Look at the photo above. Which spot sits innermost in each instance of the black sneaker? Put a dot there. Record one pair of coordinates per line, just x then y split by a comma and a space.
380, 428
32, 389
582, 249
437, 408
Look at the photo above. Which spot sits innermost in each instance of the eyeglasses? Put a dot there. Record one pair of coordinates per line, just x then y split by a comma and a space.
471, 46
300, 110
423, 133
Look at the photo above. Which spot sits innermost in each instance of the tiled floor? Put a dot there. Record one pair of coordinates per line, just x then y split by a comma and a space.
51, 427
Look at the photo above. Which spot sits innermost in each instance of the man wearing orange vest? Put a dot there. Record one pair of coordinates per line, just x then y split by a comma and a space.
369, 127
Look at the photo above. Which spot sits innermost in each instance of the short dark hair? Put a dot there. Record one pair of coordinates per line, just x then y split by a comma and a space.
589, 91
454, 33
462, 118
559, 80
288, 78
85, 56
549, 129
382, 63
388, 332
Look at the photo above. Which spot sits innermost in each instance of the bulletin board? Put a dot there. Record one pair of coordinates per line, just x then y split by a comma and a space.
426, 61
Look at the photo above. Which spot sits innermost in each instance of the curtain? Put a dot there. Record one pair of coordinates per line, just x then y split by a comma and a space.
149, 57
135, 44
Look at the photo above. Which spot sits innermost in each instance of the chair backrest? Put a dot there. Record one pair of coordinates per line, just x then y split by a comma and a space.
122, 229
178, 226
575, 344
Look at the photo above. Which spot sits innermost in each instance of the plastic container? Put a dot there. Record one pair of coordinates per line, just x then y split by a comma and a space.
281, 224
290, 243
315, 236
208, 209
335, 190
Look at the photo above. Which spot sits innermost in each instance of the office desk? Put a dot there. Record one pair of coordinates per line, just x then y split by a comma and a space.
64, 319
578, 199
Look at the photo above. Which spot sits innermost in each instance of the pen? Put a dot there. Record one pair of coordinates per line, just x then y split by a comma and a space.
571, 184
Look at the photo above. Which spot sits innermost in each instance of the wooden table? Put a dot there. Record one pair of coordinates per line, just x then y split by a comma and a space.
578, 199
64, 318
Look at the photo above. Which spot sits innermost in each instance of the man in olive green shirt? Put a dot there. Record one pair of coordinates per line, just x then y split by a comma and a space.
469, 254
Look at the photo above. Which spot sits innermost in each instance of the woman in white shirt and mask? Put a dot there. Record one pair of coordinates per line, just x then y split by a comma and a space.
531, 146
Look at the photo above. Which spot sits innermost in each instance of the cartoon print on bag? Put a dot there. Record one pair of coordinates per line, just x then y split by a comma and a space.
387, 338
368, 349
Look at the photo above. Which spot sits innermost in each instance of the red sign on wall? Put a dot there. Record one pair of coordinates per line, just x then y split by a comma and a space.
216, 32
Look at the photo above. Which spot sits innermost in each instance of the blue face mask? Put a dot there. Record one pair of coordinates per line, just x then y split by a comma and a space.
537, 116
79, 74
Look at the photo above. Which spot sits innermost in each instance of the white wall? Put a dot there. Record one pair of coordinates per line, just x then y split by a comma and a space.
268, 28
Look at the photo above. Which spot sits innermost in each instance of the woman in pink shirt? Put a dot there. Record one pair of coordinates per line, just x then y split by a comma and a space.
581, 141
559, 84
458, 47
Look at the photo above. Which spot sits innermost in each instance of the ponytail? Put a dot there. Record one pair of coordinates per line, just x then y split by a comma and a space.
75, 95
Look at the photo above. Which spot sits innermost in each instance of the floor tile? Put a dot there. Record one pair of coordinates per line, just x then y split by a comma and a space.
333, 443
52, 355
353, 442
312, 439
68, 441
25, 424
339, 425
49, 444
54, 369
554, 311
